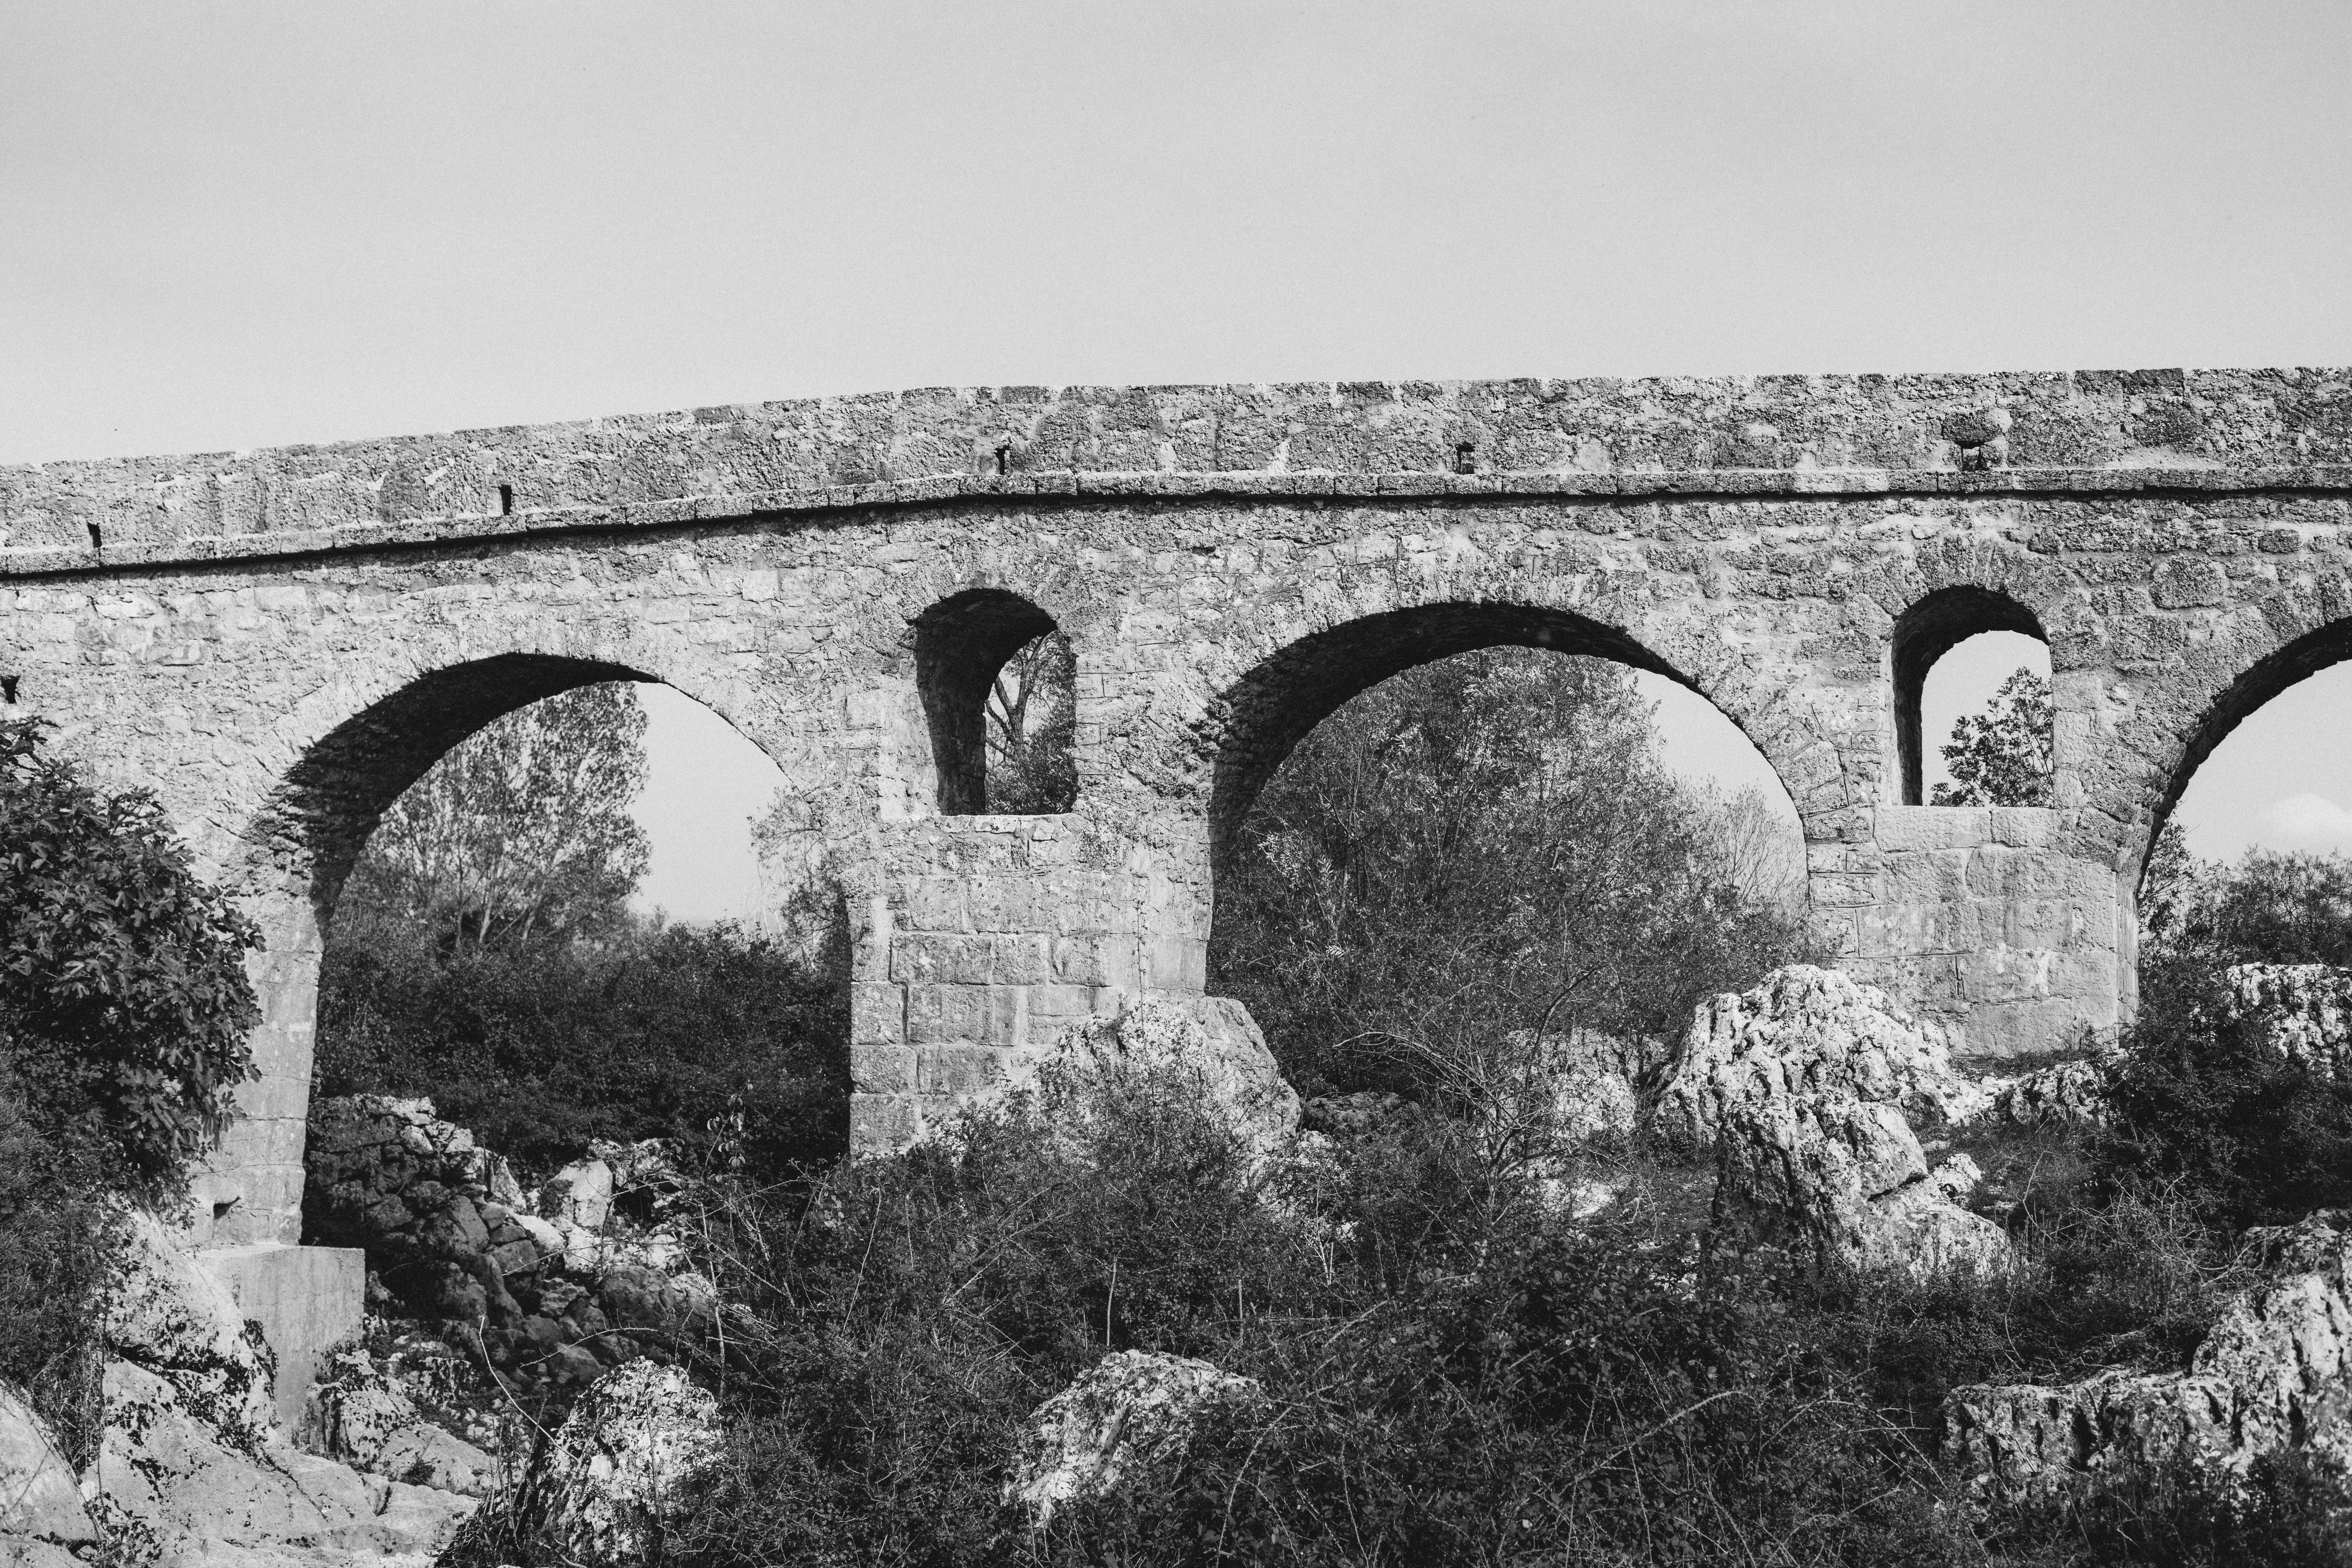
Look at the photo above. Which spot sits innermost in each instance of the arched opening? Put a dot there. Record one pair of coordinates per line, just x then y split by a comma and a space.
1956, 657
2255, 821
549, 986
1441, 834
998, 682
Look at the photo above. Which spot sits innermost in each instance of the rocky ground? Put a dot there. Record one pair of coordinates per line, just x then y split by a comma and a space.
515, 1349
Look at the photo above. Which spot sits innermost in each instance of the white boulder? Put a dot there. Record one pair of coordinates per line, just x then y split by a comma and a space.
2303, 1009
1211, 1042
1807, 1031
626, 1465
2274, 1373
42, 1520
1127, 1421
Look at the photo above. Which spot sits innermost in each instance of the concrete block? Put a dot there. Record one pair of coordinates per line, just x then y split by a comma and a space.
307, 1299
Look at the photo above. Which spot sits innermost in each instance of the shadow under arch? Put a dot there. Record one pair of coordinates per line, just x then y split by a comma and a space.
319, 816
1265, 713
961, 643
1931, 627
2264, 679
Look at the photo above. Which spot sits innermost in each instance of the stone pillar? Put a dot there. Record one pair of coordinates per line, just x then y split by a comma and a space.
307, 1299
1978, 917
249, 1189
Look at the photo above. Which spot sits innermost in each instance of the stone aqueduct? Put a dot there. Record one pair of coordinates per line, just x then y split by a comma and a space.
279, 642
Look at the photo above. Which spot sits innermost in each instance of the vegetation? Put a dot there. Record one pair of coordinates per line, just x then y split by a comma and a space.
711, 1036
2002, 756
123, 1013
1483, 845
521, 831
1031, 719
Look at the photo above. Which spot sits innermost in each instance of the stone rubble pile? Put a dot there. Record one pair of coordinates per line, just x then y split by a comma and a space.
561, 1283
2065, 1093
1809, 1087
2274, 1374
1126, 1421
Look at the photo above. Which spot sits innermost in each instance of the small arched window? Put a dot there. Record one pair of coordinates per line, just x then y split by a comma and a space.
1990, 699
999, 687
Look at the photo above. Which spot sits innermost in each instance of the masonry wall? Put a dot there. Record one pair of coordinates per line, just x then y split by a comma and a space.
276, 642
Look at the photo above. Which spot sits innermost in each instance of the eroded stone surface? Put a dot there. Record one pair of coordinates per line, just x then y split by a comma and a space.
2274, 1373
627, 1463
1130, 1418
1807, 1031
41, 1511
2303, 1009
1208, 1042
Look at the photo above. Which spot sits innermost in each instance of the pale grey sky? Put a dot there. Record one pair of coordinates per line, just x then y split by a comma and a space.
236, 225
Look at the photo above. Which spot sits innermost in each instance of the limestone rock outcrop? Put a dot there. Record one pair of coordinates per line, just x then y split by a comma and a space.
43, 1523
2304, 1009
2276, 1373
1848, 1178
1807, 1031
2062, 1094
625, 1466
1209, 1041
357, 1414
1126, 1422
190, 1466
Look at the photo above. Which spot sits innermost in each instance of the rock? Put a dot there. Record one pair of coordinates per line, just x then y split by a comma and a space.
580, 1195
172, 1317
2274, 1373
2304, 1009
2063, 1093
1565, 1090
1209, 1041
1352, 1115
1126, 1422
627, 1463
165, 1479
41, 1511
357, 1414
1807, 1031
1848, 1178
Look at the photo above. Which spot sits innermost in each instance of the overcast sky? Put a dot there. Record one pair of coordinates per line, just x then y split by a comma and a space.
232, 226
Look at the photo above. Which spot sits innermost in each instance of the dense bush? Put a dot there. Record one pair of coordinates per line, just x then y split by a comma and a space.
123, 1012
2203, 1100
707, 1034
125, 1004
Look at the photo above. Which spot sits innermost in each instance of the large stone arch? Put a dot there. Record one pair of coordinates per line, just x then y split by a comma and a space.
298, 845
1260, 717
2221, 709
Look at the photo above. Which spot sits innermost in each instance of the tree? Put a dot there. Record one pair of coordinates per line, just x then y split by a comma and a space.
125, 1008
523, 830
1032, 719
2270, 908
2002, 756
1479, 848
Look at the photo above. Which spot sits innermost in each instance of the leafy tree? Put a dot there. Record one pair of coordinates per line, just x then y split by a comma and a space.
2271, 908
1483, 845
523, 829
1032, 719
126, 1005
2002, 756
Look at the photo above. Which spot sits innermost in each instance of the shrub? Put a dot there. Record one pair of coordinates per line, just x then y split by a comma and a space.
2204, 1102
126, 1005
539, 1049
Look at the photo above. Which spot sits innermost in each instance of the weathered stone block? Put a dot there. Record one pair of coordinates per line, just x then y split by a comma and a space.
306, 1299
1902, 827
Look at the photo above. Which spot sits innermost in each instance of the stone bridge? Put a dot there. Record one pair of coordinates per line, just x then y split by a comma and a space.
276, 642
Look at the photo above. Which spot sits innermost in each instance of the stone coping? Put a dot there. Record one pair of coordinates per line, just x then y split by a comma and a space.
1079, 485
